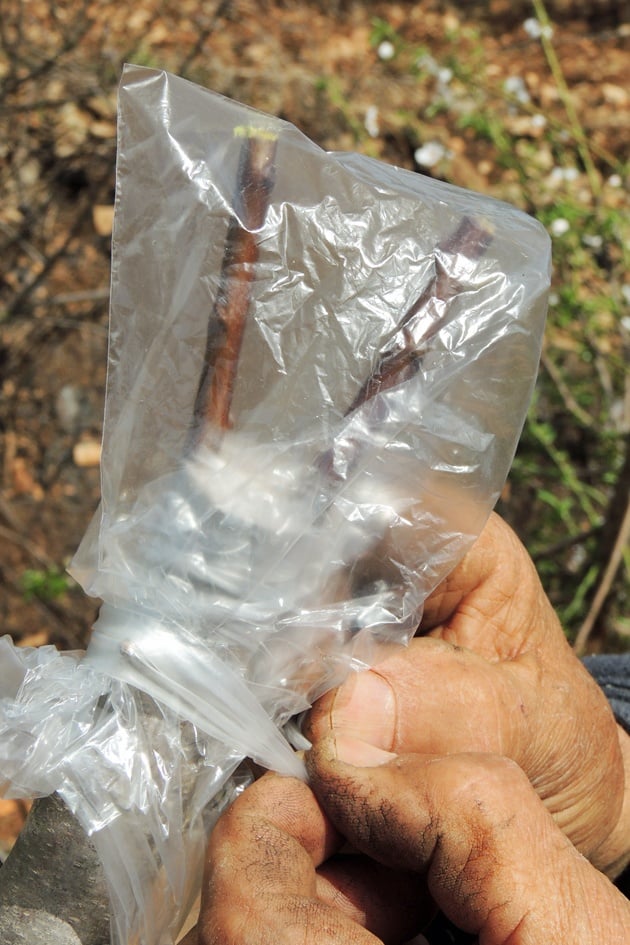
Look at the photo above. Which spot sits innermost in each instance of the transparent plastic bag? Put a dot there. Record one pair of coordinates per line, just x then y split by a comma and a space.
319, 369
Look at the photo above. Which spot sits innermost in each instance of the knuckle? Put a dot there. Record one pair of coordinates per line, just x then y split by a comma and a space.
486, 788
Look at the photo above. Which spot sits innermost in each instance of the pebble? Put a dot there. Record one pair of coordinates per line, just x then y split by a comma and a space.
87, 453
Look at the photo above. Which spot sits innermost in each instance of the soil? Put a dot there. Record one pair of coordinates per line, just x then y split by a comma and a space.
311, 63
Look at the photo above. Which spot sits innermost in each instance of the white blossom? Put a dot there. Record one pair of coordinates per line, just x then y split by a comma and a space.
386, 50
563, 175
559, 226
371, 121
515, 86
534, 28
430, 154
593, 240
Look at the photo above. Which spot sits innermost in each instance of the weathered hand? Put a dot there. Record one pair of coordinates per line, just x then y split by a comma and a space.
466, 828
272, 876
492, 677
494, 673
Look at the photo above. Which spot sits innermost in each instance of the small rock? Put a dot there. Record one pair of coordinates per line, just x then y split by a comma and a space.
103, 219
87, 453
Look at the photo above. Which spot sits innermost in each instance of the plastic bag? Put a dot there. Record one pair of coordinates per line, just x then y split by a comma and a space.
319, 369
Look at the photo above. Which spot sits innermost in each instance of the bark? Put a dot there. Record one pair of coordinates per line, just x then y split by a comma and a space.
52, 888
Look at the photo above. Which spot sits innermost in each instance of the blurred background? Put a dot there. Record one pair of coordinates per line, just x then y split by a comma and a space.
526, 101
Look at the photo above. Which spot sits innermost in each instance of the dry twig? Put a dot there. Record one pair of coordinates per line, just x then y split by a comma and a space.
226, 327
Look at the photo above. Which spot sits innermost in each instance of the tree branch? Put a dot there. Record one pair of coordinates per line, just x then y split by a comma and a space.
52, 885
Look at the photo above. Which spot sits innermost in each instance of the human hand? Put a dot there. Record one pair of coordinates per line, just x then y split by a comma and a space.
466, 828
493, 672
507, 682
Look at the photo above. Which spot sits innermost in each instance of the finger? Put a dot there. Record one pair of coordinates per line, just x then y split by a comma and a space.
493, 601
391, 903
431, 697
260, 883
543, 712
491, 853
476, 683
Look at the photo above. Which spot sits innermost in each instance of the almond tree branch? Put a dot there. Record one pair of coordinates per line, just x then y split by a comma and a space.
64, 904
226, 327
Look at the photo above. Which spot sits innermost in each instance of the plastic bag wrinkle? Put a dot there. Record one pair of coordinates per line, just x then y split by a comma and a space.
391, 343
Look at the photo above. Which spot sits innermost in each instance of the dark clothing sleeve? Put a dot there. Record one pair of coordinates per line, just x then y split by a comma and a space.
612, 672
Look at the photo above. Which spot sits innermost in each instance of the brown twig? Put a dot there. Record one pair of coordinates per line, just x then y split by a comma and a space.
402, 360
87, 295
222, 8
623, 537
226, 326
615, 538
17, 538
549, 551
568, 399
21, 296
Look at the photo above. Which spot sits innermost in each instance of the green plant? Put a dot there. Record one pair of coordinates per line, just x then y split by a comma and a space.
44, 584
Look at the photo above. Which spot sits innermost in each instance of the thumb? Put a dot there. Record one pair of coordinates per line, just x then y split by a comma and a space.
429, 697
474, 827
